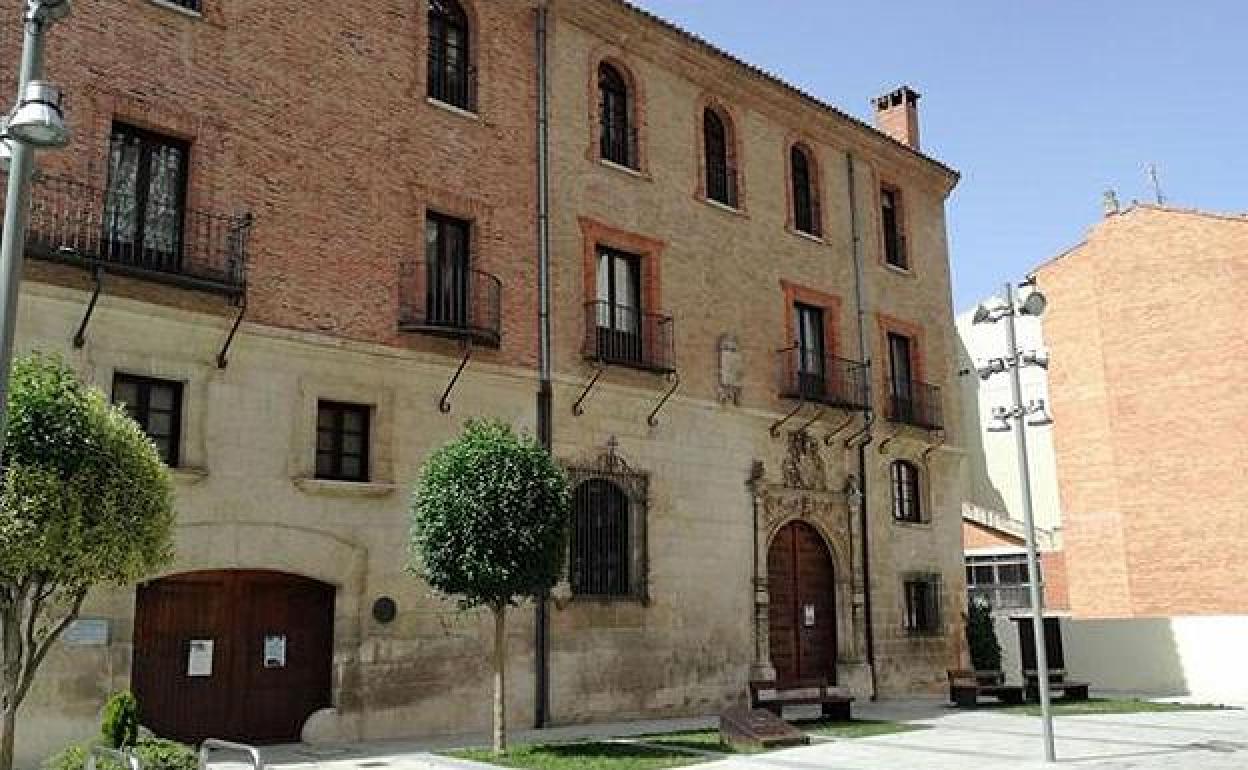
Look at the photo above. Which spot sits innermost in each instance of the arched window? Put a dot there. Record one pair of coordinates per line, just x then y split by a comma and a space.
451, 76
907, 500
601, 541
615, 114
805, 196
721, 177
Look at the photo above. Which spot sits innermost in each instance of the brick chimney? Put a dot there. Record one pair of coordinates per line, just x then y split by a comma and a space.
897, 114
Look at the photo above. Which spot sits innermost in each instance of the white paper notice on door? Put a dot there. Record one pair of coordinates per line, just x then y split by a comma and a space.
275, 651
199, 658
808, 615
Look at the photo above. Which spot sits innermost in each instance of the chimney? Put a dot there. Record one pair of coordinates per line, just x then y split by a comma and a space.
1109, 203
897, 114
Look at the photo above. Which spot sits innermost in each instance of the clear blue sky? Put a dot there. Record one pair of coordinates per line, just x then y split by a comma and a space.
1041, 105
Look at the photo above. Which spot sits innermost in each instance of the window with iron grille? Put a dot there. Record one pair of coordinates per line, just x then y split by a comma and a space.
891, 221
721, 180
615, 115
451, 76
922, 604
607, 550
805, 197
907, 495
156, 405
447, 260
145, 202
342, 437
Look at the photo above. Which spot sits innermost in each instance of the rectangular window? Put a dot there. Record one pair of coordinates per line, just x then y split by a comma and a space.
156, 405
891, 221
191, 5
811, 354
922, 599
447, 258
342, 435
901, 376
144, 205
618, 301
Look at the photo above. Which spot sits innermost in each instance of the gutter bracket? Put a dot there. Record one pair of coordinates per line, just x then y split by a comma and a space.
578, 408
941, 436
653, 419
827, 440
775, 426
80, 337
444, 404
222, 357
883, 448
864, 434
818, 416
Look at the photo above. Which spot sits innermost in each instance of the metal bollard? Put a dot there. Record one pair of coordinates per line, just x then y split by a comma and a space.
214, 744
127, 760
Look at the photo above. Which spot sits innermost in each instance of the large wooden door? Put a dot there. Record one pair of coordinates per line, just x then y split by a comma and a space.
802, 588
237, 655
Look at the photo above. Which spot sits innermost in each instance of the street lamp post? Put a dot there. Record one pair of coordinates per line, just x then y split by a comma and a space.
37, 122
1016, 359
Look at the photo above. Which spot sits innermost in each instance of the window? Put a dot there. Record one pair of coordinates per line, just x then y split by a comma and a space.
446, 271
922, 604
342, 436
451, 76
901, 377
146, 197
618, 143
156, 405
894, 237
811, 359
805, 196
619, 306
190, 5
721, 181
601, 542
999, 579
907, 498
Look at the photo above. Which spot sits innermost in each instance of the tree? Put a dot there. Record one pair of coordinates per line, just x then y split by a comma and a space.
86, 501
981, 637
489, 521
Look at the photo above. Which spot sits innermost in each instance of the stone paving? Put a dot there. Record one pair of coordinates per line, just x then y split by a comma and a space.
955, 739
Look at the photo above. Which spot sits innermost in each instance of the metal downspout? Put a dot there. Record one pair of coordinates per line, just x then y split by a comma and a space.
545, 430
864, 353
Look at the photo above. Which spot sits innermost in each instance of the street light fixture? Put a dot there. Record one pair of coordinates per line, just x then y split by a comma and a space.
6, 150
39, 120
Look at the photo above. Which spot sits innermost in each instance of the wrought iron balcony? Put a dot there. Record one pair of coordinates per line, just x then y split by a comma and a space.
615, 334
76, 224
915, 403
808, 376
450, 301
1002, 596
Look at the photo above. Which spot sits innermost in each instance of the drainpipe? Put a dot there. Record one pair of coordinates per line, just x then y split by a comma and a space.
864, 353
545, 431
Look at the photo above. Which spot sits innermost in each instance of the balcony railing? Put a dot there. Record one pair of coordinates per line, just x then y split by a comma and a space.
915, 403
74, 223
829, 380
1002, 597
448, 301
615, 334
721, 183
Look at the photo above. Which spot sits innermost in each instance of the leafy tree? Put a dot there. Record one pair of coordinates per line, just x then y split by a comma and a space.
489, 520
981, 637
86, 500
119, 727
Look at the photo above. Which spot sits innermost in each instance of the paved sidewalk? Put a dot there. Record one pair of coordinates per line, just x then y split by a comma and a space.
955, 740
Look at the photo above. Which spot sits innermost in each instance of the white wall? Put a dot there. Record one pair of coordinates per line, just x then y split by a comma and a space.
1197, 656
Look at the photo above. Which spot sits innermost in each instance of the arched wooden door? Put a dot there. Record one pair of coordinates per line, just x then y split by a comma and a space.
802, 587
237, 655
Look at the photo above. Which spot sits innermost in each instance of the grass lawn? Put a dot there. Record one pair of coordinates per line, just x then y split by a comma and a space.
855, 728
1109, 706
585, 756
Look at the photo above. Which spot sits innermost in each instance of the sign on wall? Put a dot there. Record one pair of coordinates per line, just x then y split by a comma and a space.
275, 651
199, 658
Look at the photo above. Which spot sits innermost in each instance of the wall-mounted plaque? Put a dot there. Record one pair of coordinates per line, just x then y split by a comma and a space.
86, 632
199, 658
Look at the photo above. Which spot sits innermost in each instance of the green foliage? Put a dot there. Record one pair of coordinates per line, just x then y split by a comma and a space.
120, 726
154, 753
981, 637
489, 517
86, 499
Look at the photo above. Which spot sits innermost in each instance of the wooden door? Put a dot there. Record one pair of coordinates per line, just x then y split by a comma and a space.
802, 588
237, 655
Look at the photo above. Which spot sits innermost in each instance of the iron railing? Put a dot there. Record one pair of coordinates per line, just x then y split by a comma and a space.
450, 301
721, 182
1002, 597
616, 334
75, 223
619, 147
810, 376
452, 84
915, 403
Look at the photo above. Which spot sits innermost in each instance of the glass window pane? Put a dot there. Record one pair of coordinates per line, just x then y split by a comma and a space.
159, 423
324, 441
324, 464
353, 421
353, 444
162, 397
325, 418
351, 467
126, 392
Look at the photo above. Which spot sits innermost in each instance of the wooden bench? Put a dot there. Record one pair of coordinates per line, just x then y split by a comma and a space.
1057, 684
966, 687
774, 696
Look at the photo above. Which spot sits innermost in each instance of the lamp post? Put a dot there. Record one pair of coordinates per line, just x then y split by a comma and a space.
37, 122
1034, 414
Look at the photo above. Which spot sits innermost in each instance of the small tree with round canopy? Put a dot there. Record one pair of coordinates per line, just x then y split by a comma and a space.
489, 521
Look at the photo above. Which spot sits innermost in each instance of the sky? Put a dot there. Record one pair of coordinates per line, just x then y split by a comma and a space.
1042, 105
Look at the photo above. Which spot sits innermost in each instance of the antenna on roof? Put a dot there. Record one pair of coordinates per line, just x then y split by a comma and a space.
1152, 177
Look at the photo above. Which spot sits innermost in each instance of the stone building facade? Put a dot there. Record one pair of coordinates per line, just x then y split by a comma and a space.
351, 274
